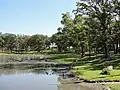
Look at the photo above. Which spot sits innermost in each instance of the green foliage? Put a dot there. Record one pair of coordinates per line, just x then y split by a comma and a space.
106, 71
37, 42
23, 43
10, 40
94, 28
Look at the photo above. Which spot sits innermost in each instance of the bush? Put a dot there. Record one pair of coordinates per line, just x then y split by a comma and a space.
106, 71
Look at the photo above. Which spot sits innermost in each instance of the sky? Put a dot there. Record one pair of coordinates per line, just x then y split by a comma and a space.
33, 16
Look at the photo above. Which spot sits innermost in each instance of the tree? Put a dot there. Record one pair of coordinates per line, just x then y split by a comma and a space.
59, 40
62, 38
1, 42
101, 10
22, 42
79, 34
9, 41
37, 42
47, 42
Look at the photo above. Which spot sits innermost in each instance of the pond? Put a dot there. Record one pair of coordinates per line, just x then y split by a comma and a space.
28, 81
34, 77
13, 79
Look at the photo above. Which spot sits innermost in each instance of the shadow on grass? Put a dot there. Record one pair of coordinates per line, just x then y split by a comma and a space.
106, 76
95, 62
98, 63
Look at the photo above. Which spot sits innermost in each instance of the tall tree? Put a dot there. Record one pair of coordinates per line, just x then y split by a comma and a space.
37, 42
10, 41
101, 10
2, 42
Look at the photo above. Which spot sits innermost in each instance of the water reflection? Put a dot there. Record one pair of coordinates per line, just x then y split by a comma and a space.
30, 79
28, 82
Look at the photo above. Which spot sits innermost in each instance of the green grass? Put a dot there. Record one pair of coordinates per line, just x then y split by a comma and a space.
95, 75
96, 62
84, 67
114, 86
64, 57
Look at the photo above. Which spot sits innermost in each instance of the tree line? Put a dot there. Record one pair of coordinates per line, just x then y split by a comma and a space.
94, 28
19, 43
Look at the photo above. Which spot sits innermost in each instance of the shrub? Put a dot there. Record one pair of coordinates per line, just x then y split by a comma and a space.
106, 71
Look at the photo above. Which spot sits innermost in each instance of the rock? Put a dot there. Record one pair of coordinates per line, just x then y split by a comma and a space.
110, 68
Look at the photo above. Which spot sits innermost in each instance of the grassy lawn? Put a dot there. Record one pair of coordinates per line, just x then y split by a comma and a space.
83, 67
114, 86
95, 75
91, 67
64, 57
87, 63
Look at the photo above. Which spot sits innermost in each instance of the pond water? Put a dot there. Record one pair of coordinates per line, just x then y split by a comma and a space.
34, 77
28, 82
13, 79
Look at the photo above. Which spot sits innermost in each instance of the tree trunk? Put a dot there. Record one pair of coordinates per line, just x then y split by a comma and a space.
2, 49
11, 50
82, 51
59, 49
89, 49
116, 50
106, 50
